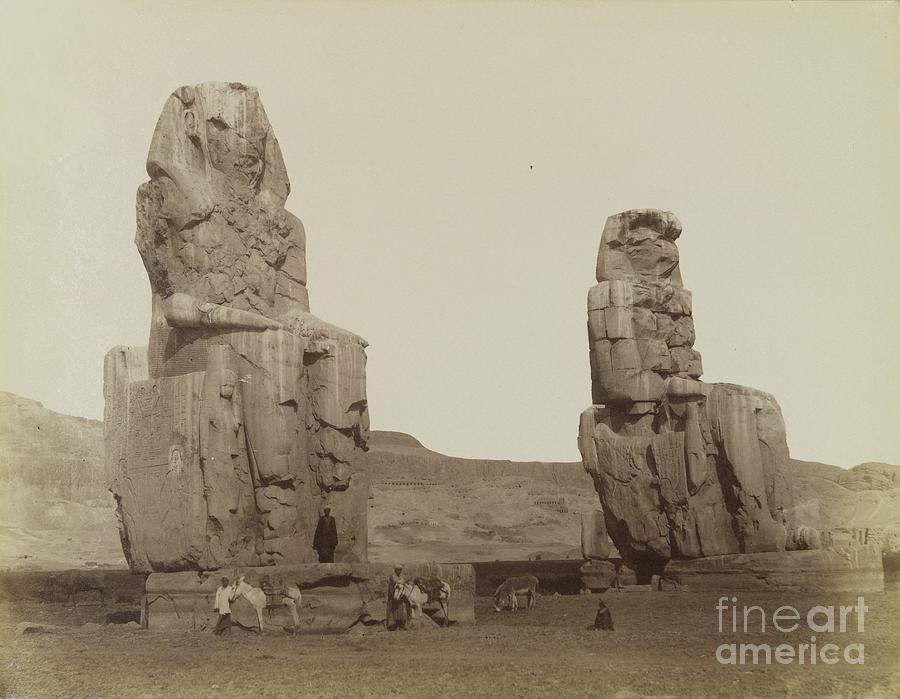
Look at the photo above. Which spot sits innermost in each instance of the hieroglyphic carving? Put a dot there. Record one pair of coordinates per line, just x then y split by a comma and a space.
176, 351
160, 479
115, 425
624, 458
668, 454
159, 418
121, 366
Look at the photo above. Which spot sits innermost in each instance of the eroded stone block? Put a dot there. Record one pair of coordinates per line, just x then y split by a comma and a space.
618, 323
643, 323
601, 359
598, 297
595, 543
597, 325
654, 355
620, 293
681, 333
686, 360
624, 354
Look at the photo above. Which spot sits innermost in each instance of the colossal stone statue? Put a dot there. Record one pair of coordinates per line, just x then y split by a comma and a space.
246, 413
684, 469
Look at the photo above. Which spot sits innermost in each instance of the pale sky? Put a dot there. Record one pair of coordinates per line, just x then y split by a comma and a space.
454, 164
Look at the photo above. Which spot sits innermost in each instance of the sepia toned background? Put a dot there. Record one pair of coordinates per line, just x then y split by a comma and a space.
454, 163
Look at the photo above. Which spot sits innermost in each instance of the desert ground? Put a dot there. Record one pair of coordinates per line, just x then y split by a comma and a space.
664, 645
57, 515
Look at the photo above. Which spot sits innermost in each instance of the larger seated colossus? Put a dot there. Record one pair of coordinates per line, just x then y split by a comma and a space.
246, 413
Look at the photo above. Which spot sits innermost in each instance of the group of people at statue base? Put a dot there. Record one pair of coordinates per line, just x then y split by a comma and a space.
398, 607
325, 542
399, 610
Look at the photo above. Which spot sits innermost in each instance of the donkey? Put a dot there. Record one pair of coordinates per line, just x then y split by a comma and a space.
290, 598
518, 585
414, 596
431, 590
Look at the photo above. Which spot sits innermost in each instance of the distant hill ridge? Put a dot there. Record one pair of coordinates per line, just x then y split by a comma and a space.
828, 497
397, 455
52, 485
62, 455
55, 511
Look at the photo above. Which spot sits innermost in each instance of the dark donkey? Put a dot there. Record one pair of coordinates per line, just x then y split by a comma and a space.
519, 585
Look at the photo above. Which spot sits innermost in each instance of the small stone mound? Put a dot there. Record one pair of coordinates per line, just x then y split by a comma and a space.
28, 627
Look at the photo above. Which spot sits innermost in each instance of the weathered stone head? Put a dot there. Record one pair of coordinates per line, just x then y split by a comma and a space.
211, 220
640, 245
214, 137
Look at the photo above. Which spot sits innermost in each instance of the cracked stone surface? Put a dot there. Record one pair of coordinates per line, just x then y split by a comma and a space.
246, 413
684, 469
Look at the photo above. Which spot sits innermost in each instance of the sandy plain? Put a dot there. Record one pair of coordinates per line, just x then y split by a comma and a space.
664, 645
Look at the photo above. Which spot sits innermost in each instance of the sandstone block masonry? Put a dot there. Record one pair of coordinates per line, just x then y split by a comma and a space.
684, 469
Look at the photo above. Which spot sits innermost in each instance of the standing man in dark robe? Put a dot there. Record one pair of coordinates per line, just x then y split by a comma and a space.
397, 609
326, 539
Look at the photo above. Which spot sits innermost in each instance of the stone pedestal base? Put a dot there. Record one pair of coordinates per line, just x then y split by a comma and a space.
598, 575
335, 596
839, 569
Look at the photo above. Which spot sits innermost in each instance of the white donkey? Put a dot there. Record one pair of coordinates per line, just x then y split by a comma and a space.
425, 591
290, 598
